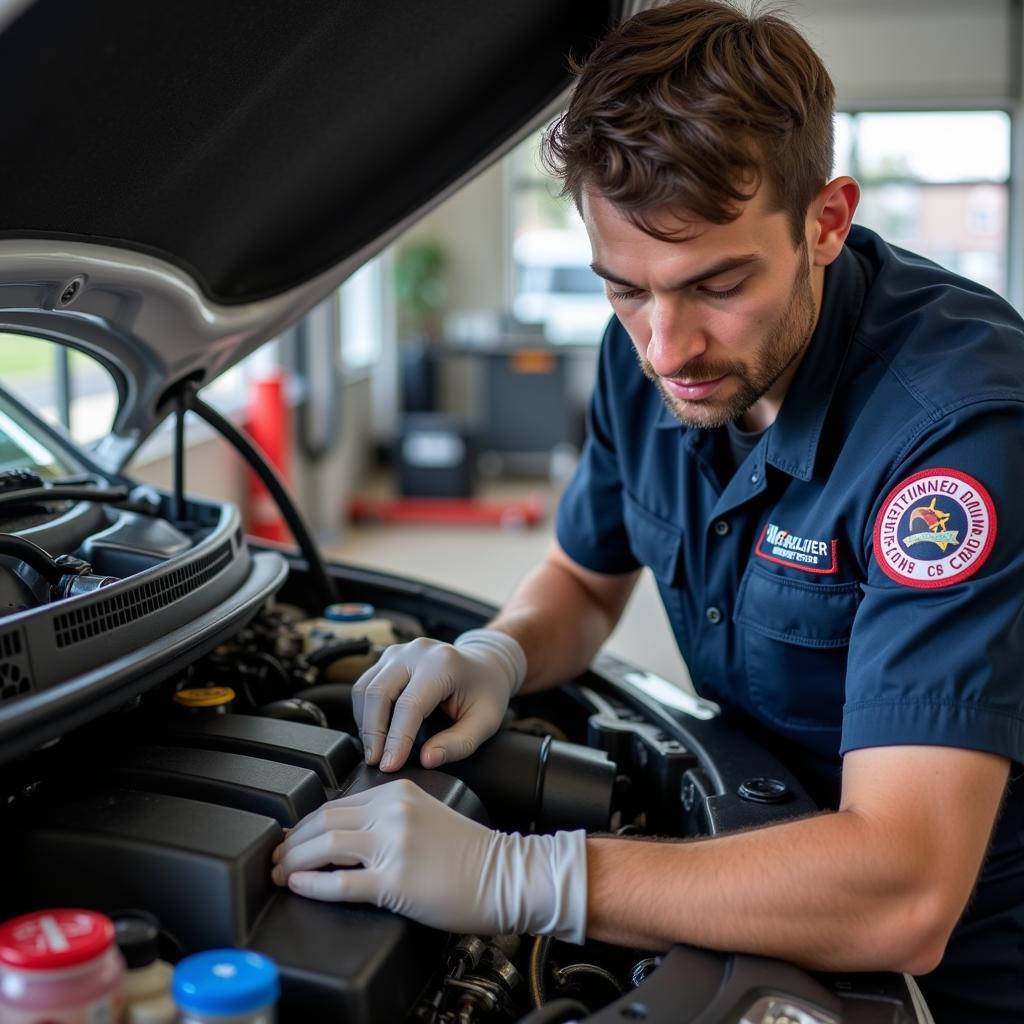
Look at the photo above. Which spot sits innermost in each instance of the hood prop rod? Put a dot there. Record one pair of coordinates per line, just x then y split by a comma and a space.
181, 403
323, 585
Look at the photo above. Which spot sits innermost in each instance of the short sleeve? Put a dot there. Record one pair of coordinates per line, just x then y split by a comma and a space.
589, 525
937, 649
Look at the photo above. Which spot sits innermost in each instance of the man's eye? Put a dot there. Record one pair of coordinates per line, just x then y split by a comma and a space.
711, 293
629, 293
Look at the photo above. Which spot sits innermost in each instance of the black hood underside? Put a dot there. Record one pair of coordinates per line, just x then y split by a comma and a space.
256, 146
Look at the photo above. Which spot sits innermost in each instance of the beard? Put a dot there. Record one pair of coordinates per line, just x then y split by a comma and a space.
783, 343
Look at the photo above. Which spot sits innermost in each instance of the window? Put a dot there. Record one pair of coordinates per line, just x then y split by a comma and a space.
936, 183
70, 388
553, 285
20, 449
62, 385
362, 303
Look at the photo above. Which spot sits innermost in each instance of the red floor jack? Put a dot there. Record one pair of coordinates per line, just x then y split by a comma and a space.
514, 514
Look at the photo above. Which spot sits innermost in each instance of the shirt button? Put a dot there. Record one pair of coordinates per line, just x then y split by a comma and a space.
714, 615
721, 527
754, 477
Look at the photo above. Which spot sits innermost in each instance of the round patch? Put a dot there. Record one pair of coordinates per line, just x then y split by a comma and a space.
935, 529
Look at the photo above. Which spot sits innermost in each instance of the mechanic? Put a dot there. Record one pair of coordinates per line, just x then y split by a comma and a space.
815, 441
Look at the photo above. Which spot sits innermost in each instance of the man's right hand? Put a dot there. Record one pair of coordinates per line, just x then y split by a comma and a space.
472, 680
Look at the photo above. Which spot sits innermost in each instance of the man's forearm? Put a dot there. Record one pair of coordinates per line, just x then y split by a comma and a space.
558, 622
828, 892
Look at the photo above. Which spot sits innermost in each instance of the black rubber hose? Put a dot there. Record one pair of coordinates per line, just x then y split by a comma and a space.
36, 495
335, 700
324, 656
566, 974
556, 1012
32, 555
538, 965
322, 584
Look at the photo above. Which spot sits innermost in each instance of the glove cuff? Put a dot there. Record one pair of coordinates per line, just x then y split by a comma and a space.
510, 654
559, 907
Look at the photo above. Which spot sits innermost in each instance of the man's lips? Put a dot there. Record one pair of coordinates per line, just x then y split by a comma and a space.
692, 392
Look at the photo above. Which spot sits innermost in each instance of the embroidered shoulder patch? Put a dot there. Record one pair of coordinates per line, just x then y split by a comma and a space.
809, 554
935, 529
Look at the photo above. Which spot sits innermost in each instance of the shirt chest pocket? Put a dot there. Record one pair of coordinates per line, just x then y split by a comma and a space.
654, 541
795, 637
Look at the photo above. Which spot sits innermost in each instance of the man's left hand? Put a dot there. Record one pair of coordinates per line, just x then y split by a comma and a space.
397, 847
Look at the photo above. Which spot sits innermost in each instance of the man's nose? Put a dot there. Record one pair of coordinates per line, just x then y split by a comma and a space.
675, 339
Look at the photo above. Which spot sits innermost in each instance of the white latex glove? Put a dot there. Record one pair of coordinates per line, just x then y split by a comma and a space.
472, 679
426, 861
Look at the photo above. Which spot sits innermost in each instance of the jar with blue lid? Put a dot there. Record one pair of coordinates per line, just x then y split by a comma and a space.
226, 986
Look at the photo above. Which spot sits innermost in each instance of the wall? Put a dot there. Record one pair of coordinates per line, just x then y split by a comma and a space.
912, 50
472, 228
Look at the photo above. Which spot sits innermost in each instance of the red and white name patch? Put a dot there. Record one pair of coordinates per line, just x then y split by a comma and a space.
935, 529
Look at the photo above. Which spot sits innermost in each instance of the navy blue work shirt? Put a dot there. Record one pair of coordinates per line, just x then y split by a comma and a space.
858, 581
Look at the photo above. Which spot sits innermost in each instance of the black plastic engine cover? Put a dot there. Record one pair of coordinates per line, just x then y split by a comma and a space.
338, 962
279, 791
202, 869
332, 755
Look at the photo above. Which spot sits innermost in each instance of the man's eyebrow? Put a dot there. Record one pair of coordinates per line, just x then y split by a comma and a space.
723, 265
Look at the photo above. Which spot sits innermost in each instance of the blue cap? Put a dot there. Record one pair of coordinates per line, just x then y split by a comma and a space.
349, 611
225, 981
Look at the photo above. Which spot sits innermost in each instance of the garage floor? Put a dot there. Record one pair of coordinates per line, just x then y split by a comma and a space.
488, 562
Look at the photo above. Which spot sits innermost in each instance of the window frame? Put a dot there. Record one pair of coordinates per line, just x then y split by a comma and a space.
516, 183
1013, 262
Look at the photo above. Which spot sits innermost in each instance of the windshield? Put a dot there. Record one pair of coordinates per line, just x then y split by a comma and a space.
59, 384
20, 447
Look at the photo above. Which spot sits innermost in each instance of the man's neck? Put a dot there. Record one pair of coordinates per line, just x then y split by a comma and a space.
763, 413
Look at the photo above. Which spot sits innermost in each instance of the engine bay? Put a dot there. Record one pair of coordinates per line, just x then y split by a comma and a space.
174, 697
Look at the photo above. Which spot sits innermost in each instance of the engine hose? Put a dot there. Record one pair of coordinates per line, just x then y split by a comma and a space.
559, 1011
37, 495
325, 656
565, 975
320, 581
538, 965
32, 555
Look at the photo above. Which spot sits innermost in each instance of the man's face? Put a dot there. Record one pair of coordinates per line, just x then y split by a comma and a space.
718, 319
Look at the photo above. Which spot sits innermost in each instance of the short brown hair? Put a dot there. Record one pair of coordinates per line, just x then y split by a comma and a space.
690, 107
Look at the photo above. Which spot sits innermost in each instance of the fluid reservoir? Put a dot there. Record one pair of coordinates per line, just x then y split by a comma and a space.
60, 966
347, 621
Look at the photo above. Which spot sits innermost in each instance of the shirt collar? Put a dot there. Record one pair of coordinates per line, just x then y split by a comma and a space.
793, 439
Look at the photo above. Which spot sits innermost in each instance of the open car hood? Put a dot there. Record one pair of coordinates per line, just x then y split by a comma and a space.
181, 181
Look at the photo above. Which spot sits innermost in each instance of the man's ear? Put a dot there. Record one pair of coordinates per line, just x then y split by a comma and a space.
829, 218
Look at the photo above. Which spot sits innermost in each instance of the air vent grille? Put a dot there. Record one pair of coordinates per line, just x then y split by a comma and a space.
15, 678
95, 619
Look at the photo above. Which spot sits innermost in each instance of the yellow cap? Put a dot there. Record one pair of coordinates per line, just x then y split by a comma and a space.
205, 696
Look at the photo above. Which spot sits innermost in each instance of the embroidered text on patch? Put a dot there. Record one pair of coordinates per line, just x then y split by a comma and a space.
935, 529
809, 554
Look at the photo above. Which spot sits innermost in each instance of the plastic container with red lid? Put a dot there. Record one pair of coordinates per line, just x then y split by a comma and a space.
62, 966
